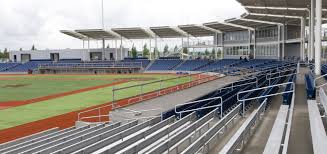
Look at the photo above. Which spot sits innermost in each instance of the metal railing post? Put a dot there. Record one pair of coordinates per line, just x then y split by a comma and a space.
113, 97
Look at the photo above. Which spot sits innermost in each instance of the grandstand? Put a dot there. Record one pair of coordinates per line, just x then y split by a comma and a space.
265, 95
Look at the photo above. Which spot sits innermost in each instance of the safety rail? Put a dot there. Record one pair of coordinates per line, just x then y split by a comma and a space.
213, 134
265, 96
317, 78
202, 108
289, 126
163, 91
279, 73
291, 74
236, 143
139, 98
234, 86
270, 69
323, 99
95, 109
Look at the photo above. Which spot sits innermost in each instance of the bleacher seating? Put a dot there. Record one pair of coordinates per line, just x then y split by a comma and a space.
164, 65
6, 66
145, 62
218, 65
31, 65
191, 65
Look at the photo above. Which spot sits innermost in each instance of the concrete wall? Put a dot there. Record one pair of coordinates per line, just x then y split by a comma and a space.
83, 54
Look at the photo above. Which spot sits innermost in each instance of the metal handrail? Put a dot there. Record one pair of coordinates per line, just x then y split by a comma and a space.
240, 135
315, 81
202, 108
281, 76
272, 74
257, 80
265, 96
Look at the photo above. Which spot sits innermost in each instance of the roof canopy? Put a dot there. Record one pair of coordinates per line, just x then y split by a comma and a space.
133, 33
277, 3
74, 34
167, 32
273, 18
251, 23
198, 30
98, 34
225, 27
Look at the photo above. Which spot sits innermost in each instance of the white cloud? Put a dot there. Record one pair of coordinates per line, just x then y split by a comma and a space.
38, 22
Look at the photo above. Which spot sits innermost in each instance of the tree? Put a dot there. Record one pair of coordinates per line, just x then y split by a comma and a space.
176, 49
108, 46
134, 52
4, 54
20, 49
206, 52
213, 52
166, 49
146, 51
33, 47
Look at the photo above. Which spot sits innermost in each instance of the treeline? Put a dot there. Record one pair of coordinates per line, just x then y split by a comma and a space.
4, 54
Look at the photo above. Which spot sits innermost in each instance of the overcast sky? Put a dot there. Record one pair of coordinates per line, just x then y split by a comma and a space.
27, 22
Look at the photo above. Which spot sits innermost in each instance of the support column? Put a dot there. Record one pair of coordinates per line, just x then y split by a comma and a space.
103, 48
318, 37
302, 38
283, 49
116, 51
88, 46
278, 50
121, 48
312, 25
249, 47
150, 56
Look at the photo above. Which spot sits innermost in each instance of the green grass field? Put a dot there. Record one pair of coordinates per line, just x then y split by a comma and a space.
37, 86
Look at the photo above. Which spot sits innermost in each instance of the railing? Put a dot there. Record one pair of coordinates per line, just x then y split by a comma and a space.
161, 90
236, 143
202, 108
233, 86
291, 74
98, 116
289, 125
265, 96
202, 144
315, 81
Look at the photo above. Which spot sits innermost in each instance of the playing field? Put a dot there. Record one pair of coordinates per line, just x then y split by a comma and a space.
27, 98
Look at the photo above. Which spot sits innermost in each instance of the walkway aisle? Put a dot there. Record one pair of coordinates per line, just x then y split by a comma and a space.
258, 140
300, 138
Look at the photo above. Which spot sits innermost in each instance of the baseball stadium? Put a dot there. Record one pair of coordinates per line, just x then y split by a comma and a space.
250, 84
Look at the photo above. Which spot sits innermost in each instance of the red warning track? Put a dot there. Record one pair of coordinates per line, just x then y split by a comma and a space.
9, 104
69, 119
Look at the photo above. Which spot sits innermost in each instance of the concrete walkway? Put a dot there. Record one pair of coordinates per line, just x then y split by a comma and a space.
169, 101
300, 139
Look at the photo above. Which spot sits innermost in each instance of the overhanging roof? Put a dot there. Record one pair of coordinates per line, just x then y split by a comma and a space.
167, 32
278, 3
302, 12
251, 23
74, 34
198, 30
133, 33
272, 18
98, 34
224, 27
